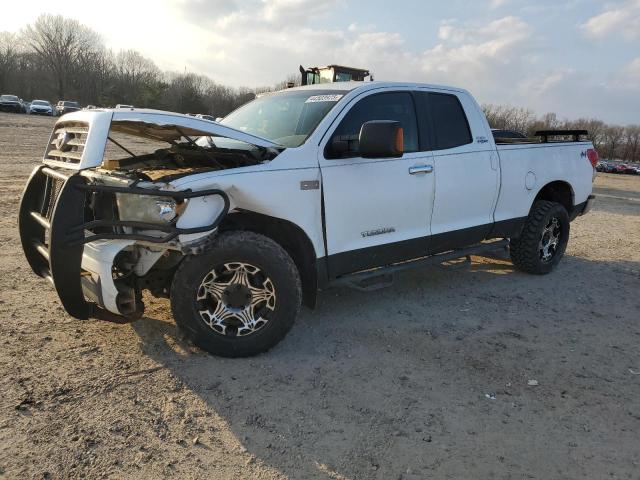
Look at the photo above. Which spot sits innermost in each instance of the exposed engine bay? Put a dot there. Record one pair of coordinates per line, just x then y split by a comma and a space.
185, 151
185, 158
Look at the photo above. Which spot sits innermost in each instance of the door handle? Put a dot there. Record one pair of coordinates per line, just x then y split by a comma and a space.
420, 169
494, 162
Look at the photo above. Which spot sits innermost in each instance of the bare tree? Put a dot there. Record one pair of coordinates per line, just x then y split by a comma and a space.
9, 54
632, 143
135, 78
94, 80
60, 43
596, 129
613, 137
508, 117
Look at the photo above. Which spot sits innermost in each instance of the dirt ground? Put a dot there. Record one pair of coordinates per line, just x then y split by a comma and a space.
429, 378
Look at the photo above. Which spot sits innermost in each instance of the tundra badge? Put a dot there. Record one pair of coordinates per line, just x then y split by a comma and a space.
378, 231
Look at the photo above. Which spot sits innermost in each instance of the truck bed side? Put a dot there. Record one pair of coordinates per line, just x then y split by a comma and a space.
527, 168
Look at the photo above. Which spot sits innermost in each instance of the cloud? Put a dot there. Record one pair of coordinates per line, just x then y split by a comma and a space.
295, 12
575, 94
629, 76
225, 14
264, 40
633, 70
260, 42
209, 8
493, 4
505, 31
500, 58
482, 58
624, 20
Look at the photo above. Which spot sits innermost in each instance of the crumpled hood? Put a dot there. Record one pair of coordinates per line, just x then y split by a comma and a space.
151, 124
159, 125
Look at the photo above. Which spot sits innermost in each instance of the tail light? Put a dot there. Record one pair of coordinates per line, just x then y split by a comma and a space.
592, 155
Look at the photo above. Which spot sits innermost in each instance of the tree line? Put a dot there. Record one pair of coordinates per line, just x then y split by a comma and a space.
58, 58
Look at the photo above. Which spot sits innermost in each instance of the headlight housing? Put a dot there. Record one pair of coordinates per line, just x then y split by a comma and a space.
147, 208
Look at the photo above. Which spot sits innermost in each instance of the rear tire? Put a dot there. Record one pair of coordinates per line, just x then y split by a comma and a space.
543, 240
238, 299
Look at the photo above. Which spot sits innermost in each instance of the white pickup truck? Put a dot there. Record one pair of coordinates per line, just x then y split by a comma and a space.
240, 222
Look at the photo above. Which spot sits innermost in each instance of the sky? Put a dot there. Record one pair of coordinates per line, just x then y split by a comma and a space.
578, 58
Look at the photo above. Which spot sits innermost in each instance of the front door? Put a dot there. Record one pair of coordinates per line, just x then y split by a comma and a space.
377, 211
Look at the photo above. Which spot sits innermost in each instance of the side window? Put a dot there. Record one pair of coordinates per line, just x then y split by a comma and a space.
449, 121
396, 106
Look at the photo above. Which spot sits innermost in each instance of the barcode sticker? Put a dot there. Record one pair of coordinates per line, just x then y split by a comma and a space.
323, 98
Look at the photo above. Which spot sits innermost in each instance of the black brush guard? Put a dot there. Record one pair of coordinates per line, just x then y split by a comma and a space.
53, 229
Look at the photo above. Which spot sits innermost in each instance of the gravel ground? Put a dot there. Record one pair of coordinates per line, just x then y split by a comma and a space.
430, 378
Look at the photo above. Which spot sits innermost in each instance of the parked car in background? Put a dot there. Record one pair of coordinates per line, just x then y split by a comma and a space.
25, 106
624, 168
40, 107
122, 105
629, 169
10, 103
67, 106
606, 167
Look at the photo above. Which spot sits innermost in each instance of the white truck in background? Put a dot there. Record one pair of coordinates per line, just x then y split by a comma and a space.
241, 221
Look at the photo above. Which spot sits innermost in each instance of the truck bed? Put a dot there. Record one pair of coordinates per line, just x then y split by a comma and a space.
528, 166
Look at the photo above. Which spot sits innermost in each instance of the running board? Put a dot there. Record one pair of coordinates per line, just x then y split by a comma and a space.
374, 279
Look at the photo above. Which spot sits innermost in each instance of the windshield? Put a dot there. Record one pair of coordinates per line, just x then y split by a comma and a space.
9, 98
70, 104
286, 118
40, 102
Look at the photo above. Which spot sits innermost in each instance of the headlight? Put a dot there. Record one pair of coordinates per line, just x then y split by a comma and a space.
147, 208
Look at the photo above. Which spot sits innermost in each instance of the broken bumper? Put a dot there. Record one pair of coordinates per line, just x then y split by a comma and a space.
76, 254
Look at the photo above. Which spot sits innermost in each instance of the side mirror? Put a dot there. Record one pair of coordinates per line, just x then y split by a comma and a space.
381, 139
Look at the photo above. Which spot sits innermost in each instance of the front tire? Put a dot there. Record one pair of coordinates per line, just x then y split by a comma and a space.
238, 299
543, 240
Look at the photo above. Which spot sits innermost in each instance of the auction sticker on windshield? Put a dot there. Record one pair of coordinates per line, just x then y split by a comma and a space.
323, 98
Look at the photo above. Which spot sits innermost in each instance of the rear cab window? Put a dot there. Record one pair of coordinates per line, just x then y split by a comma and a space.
449, 127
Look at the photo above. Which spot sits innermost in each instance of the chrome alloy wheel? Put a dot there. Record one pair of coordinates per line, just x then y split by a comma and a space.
550, 240
236, 299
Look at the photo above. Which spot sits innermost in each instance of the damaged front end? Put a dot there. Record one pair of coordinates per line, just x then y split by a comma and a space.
102, 229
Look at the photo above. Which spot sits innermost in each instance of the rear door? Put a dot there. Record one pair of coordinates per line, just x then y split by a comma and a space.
377, 211
466, 170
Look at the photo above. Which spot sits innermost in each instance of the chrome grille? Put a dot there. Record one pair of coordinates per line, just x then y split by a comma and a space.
67, 142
